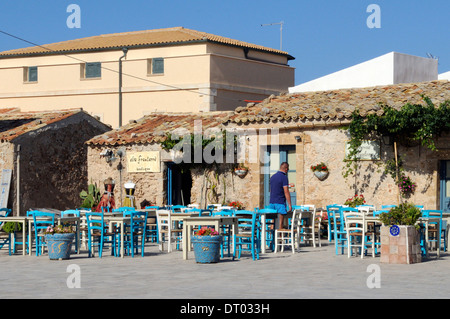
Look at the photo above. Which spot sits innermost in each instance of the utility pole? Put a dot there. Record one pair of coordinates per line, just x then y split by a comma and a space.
124, 50
281, 31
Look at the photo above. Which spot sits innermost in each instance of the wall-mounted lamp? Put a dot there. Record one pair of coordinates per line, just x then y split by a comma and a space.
298, 138
108, 155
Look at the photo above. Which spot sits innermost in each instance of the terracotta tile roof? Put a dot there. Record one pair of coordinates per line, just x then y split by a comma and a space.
177, 35
339, 104
154, 127
14, 123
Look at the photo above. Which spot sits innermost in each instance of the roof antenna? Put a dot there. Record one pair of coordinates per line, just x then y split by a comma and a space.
281, 31
432, 56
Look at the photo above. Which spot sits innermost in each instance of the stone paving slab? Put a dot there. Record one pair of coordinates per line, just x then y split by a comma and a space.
313, 273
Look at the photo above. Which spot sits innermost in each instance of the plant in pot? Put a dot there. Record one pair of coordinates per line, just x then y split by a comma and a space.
236, 205
320, 170
59, 241
400, 237
241, 170
206, 243
355, 200
91, 197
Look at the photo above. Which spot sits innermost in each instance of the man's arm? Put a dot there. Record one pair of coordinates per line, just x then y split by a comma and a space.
288, 197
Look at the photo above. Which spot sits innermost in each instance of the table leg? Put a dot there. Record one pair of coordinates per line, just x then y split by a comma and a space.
24, 239
29, 238
185, 240
122, 249
263, 233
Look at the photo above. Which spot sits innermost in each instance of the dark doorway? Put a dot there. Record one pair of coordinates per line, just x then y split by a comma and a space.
179, 185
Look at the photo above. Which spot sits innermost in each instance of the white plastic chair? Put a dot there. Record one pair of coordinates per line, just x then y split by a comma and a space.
167, 233
289, 237
355, 225
311, 231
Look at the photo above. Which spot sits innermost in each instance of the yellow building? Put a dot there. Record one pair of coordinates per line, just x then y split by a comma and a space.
164, 70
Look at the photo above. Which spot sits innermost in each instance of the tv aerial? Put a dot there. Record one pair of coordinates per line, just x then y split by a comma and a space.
281, 31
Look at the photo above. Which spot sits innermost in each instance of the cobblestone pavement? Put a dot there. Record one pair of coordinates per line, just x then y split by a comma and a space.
311, 273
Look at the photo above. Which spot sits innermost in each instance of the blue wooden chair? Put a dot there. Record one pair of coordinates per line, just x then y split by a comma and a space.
98, 234
5, 238
133, 232
152, 226
247, 238
331, 210
177, 208
434, 228
41, 221
388, 206
340, 234
225, 231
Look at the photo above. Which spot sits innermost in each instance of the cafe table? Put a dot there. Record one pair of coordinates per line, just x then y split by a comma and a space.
22, 220
216, 221
119, 220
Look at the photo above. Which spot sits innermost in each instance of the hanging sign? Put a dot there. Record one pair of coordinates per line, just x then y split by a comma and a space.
5, 185
143, 162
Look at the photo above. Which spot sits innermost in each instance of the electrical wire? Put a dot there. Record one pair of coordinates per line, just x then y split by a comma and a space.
111, 70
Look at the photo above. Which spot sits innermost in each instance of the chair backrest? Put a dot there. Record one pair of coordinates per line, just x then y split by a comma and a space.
106, 209
378, 212
123, 209
138, 222
247, 221
226, 207
178, 208
266, 210
193, 210
225, 212
363, 209
163, 217
70, 212
42, 220
354, 219
432, 213
206, 212
5, 212
388, 206
95, 221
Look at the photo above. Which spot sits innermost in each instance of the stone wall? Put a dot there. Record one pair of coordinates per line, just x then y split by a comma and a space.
53, 168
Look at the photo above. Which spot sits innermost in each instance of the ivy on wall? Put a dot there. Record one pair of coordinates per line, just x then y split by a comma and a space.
411, 123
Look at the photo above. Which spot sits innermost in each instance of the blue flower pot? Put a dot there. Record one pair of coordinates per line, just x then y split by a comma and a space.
59, 245
206, 248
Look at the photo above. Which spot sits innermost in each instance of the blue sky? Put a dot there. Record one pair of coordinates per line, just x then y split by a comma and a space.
323, 35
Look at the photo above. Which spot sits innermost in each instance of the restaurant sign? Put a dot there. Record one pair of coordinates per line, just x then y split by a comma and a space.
143, 162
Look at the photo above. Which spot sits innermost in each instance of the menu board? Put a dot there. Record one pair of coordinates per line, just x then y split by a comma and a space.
4, 192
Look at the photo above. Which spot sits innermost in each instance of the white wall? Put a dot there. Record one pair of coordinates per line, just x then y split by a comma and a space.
391, 68
444, 76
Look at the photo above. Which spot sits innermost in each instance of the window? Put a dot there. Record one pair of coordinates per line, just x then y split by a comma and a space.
155, 66
30, 74
91, 70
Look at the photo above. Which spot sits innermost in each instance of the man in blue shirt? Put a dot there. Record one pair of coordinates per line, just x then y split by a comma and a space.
279, 193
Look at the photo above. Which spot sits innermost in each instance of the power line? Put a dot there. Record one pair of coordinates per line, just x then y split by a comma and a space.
111, 70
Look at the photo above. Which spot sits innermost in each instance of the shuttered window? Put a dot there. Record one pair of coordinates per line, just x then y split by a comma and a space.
30, 74
155, 66
93, 70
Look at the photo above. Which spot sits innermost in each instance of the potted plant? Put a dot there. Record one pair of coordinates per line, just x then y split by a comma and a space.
320, 170
59, 241
400, 237
236, 204
355, 200
241, 170
206, 243
406, 186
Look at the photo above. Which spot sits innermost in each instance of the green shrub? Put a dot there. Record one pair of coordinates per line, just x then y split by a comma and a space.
404, 214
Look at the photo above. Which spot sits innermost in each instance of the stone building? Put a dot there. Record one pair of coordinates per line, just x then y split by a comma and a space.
46, 154
303, 129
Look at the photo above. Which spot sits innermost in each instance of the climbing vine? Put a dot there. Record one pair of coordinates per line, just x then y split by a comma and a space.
411, 123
